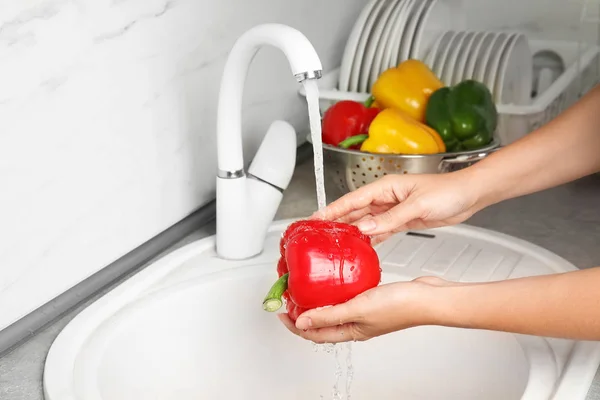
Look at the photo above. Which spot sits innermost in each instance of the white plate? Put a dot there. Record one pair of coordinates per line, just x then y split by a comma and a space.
479, 53
484, 56
440, 16
455, 50
472, 55
351, 45
395, 26
382, 63
515, 76
420, 28
369, 70
491, 70
411, 30
463, 56
432, 55
513, 86
362, 44
442, 53
398, 33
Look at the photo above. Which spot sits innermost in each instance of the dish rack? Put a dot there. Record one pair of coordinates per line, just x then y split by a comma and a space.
582, 73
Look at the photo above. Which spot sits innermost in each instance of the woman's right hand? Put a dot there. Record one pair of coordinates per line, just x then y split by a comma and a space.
396, 203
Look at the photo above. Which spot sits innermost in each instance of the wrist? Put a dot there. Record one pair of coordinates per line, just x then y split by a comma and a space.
483, 183
439, 302
445, 303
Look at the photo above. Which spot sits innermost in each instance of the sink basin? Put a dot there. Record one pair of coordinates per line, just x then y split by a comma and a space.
191, 326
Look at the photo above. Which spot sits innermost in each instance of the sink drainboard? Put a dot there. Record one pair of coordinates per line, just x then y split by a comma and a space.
191, 326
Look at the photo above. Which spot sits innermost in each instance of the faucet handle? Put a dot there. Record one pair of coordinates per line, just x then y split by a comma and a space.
275, 159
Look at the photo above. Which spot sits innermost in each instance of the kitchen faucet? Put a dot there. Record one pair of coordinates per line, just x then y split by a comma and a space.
247, 201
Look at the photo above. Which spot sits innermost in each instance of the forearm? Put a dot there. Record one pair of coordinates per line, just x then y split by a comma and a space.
563, 150
561, 305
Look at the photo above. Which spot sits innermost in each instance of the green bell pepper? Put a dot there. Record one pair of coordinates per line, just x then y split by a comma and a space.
464, 115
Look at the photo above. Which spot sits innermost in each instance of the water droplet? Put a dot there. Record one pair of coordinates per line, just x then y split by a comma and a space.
352, 268
330, 256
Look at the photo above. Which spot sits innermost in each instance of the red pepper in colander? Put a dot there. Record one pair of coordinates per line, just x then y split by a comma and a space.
346, 123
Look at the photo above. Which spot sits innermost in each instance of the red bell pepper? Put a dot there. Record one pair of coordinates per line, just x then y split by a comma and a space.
310, 225
322, 263
347, 119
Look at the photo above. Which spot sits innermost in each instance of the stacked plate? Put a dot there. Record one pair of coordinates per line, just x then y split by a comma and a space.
500, 60
388, 32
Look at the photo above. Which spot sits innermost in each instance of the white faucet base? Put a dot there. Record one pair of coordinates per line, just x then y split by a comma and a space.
244, 227
247, 205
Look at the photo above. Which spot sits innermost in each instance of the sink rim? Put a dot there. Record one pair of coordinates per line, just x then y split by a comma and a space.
58, 376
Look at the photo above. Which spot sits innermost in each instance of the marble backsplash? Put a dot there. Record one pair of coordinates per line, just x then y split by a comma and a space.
107, 123
107, 118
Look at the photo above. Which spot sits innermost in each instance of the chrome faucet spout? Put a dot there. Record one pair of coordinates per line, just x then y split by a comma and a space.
301, 77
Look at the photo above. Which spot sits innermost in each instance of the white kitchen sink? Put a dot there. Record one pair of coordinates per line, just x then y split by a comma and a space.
191, 326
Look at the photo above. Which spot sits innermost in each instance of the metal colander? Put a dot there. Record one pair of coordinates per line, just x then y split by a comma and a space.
351, 169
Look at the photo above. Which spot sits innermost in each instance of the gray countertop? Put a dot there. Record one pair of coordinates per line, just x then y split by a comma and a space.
565, 220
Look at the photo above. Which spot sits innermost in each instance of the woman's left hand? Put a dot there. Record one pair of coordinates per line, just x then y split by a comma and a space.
384, 309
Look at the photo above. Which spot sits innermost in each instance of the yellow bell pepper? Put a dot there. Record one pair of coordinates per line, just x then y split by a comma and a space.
393, 131
406, 87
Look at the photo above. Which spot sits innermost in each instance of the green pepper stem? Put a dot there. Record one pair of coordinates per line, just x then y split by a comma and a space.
352, 140
272, 301
369, 101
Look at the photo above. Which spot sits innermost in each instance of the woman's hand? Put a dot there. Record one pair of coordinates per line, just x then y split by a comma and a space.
387, 206
555, 305
399, 202
384, 309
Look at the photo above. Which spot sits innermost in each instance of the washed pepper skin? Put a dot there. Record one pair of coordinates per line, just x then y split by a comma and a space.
394, 132
301, 226
464, 115
406, 87
344, 119
322, 263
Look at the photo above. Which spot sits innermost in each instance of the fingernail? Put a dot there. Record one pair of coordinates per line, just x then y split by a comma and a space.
303, 323
367, 225
317, 215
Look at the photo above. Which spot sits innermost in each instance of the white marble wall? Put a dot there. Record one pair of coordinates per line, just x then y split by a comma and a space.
107, 119
107, 123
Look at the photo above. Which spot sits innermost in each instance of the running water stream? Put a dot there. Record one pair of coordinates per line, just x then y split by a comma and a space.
314, 115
